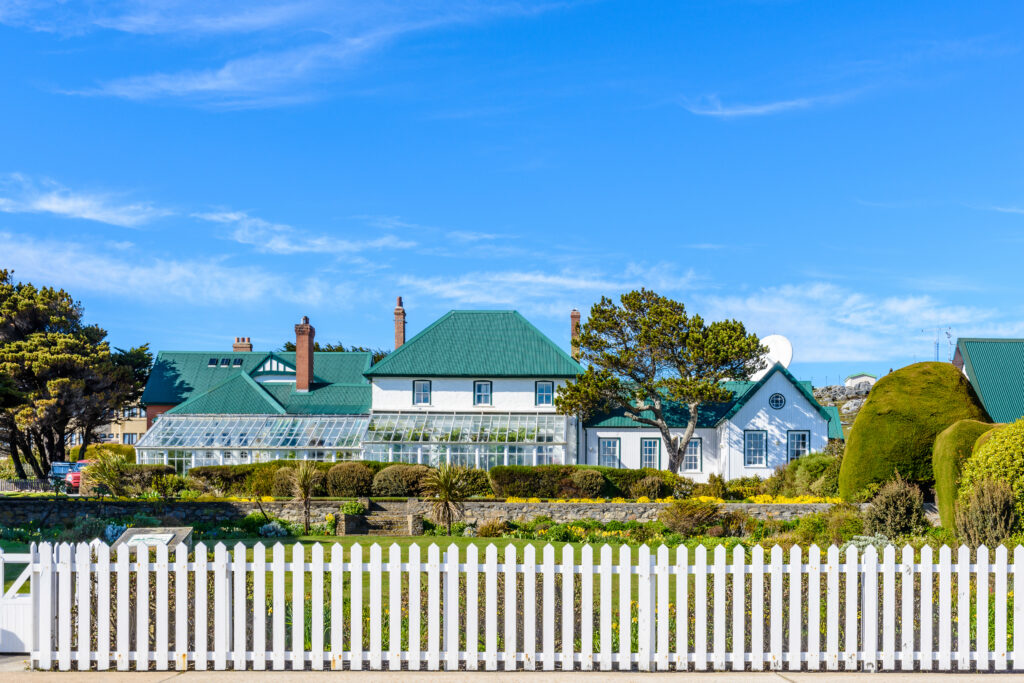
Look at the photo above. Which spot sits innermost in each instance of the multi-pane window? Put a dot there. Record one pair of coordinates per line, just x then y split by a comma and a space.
517, 455
608, 452
650, 449
482, 393
799, 444
130, 438
755, 449
545, 393
692, 458
421, 392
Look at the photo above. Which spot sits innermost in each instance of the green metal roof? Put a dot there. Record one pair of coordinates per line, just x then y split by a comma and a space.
188, 379
238, 395
995, 368
478, 344
835, 424
712, 414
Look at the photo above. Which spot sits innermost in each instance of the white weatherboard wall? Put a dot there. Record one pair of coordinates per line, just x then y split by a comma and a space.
629, 448
798, 414
509, 395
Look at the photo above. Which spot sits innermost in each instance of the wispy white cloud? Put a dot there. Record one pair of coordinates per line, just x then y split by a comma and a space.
335, 36
828, 323
277, 238
471, 236
1007, 209
542, 292
80, 267
711, 105
21, 194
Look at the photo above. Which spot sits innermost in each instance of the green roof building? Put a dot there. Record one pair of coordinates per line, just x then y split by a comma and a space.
995, 368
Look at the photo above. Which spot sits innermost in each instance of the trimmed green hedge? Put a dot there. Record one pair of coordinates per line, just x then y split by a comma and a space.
953, 446
234, 480
556, 481
999, 457
896, 428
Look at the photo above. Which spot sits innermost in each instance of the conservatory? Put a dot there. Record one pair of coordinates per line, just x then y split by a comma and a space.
187, 441
472, 440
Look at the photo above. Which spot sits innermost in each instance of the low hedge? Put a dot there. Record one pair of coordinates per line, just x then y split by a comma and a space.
235, 480
561, 481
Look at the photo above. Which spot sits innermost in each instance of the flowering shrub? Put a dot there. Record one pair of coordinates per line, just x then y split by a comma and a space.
765, 499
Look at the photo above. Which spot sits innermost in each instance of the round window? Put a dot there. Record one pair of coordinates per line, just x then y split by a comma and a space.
776, 401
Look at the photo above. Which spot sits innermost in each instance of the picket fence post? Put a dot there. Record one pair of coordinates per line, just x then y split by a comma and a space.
869, 619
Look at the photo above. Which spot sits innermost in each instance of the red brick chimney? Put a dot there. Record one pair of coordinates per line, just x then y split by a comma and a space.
574, 328
399, 324
304, 335
242, 344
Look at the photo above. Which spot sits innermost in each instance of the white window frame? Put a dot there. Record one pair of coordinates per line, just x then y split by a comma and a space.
476, 392
748, 442
417, 393
655, 456
551, 394
694, 449
789, 443
604, 452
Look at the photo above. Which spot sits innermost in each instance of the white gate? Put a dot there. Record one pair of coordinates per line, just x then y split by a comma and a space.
16, 608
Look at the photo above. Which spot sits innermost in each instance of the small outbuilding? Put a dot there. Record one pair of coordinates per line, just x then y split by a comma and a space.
860, 380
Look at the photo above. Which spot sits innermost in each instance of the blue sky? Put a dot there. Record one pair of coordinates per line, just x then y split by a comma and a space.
846, 174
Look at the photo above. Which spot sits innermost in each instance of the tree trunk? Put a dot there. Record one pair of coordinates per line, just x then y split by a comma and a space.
26, 449
86, 433
677, 445
19, 468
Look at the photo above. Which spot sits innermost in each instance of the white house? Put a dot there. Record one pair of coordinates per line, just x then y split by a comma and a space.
766, 424
474, 387
860, 380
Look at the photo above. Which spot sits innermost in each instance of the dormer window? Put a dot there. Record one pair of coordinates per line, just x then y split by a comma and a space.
212, 363
237, 363
225, 362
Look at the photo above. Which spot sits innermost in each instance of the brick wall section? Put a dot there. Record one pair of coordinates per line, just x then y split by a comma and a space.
63, 511
156, 409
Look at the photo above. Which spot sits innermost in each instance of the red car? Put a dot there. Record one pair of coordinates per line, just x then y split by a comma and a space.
74, 477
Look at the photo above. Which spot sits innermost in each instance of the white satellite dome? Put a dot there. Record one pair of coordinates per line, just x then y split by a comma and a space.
780, 350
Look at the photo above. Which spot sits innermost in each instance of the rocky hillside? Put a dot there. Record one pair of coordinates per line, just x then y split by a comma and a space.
849, 400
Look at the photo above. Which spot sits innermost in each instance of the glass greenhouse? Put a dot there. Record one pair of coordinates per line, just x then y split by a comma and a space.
187, 441
473, 440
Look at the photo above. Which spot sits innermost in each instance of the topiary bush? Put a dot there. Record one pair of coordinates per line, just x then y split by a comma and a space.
348, 479
895, 430
556, 481
587, 483
648, 487
284, 483
953, 446
897, 510
399, 480
987, 516
1000, 456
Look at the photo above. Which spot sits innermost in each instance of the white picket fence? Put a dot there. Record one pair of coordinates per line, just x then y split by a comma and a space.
722, 610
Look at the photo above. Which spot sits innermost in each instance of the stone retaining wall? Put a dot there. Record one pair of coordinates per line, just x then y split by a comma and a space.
61, 512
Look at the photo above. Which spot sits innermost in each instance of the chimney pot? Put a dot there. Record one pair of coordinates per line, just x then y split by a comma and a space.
399, 323
241, 344
304, 345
